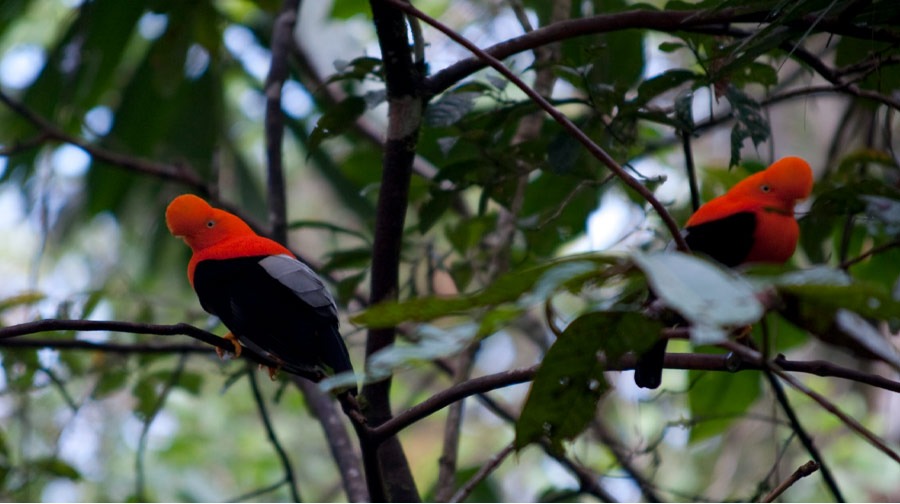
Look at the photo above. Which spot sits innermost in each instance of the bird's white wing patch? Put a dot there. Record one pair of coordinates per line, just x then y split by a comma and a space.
300, 278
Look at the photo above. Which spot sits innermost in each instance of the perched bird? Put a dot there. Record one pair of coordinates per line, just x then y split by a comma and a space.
268, 299
752, 223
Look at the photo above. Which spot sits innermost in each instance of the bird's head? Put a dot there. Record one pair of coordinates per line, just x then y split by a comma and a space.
782, 184
199, 224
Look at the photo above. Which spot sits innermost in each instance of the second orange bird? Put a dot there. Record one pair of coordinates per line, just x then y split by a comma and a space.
752, 223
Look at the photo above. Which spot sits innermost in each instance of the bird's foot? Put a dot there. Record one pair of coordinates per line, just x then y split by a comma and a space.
273, 371
234, 341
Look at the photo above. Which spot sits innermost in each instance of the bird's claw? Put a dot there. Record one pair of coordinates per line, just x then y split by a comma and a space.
234, 341
273, 370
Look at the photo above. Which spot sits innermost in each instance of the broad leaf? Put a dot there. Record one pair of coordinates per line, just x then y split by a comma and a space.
570, 381
710, 297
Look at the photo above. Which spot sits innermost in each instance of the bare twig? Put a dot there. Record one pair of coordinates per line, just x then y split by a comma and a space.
320, 403
483, 472
139, 487
869, 253
120, 348
289, 478
48, 130
282, 33
854, 425
797, 427
801, 472
448, 461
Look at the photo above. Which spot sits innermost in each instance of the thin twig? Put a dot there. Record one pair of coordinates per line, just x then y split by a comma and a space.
120, 348
61, 386
49, 325
483, 472
179, 173
801, 472
752, 356
282, 33
869, 253
258, 492
797, 427
139, 485
273, 438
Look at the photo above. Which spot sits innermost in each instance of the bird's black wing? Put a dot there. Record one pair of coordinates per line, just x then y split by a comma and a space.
276, 305
727, 240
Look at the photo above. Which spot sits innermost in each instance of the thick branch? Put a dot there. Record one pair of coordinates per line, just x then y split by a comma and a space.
663, 21
403, 79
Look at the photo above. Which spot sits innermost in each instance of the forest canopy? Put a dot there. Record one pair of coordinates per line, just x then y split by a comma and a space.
495, 194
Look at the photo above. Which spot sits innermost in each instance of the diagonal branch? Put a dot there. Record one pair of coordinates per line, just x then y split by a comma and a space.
50, 131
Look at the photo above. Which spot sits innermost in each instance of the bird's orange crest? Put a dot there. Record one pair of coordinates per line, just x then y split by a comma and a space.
201, 225
775, 189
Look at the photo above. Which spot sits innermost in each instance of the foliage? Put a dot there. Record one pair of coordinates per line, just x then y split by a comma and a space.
506, 269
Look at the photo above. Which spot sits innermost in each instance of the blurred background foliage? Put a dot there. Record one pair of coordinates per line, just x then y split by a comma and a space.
169, 97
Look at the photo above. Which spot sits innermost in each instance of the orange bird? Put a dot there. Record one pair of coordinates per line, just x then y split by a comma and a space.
268, 299
752, 223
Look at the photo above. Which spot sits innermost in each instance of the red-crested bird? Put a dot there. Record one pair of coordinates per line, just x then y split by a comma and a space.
751, 223
268, 299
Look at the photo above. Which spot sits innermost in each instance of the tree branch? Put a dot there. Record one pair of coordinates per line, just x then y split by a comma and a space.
699, 21
801, 472
49, 131
289, 478
321, 404
483, 472
393, 479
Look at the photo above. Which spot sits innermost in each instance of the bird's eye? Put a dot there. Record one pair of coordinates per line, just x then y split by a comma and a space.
210, 224
765, 188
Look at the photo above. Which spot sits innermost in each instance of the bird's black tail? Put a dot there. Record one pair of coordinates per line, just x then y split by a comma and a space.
649, 367
333, 351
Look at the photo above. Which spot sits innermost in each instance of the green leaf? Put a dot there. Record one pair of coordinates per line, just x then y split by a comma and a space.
450, 108
749, 122
348, 259
563, 398
834, 289
507, 288
866, 335
328, 226
718, 399
55, 467
710, 297
111, 381
346, 9
663, 82
670, 47
191, 382
337, 120
23, 299
431, 343
144, 391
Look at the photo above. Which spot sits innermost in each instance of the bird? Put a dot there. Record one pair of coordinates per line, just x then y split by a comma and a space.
753, 222
269, 300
